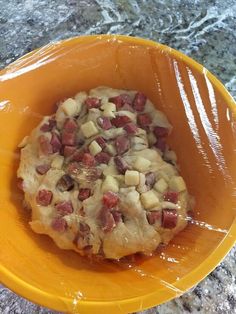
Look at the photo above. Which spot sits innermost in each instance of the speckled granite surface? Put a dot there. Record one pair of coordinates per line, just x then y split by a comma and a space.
204, 30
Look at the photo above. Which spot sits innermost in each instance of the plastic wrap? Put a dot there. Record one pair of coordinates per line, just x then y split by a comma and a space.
202, 114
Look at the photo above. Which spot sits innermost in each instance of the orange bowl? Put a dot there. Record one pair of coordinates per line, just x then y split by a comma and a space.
204, 137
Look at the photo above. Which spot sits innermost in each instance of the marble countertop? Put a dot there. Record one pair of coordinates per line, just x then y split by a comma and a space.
204, 30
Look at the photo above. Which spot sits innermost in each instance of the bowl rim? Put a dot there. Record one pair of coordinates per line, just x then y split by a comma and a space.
165, 294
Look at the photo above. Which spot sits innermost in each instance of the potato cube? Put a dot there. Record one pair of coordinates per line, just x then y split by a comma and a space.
110, 184
131, 177
109, 109
89, 129
111, 149
94, 148
70, 107
149, 199
177, 184
161, 185
57, 162
142, 164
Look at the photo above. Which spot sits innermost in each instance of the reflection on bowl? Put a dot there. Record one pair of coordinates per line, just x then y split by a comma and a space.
201, 111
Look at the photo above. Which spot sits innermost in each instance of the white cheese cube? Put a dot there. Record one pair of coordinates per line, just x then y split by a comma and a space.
131, 177
142, 164
110, 184
161, 185
149, 199
89, 129
95, 148
57, 162
177, 184
70, 107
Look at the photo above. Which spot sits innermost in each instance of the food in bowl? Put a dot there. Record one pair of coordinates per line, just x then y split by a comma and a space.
100, 178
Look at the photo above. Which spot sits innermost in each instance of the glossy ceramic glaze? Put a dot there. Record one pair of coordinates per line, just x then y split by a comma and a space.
201, 111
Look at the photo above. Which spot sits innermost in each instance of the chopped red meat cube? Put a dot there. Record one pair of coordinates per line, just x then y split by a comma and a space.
116, 215
103, 158
107, 220
69, 150
160, 131
161, 144
47, 127
65, 183
20, 184
144, 120
150, 179
104, 123
131, 128
120, 121
122, 144
100, 140
44, 197
153, 216
171, 196
84, 194
110, 199
92, 102
121, 100
78, 156
70, 125
73, 167
169, 218
121, 164
88, 160
42, 169
64, 208
55, 142
45, 146
139, 101
68, 138
59, 224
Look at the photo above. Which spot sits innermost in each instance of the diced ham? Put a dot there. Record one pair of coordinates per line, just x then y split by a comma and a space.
59, 224
169, 218
171, 196
139, 101
45, 146
116, 215
160, 131
153, 216
55, 142
100, 140
42, 169
70, 125
122, 144
69, 150
110, 199
107, 220
121, 100
120, 121
88, 160
150, 179
104, 123
65, 183
161, 144
20, 184
127, 107
84, 194
68, 137
78, 156
102, 158
47, 127
44, 197
131, 128
64, 208
144, 120
92, 102
121, 164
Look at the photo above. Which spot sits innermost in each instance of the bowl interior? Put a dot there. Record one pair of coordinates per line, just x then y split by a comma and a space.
203, 137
